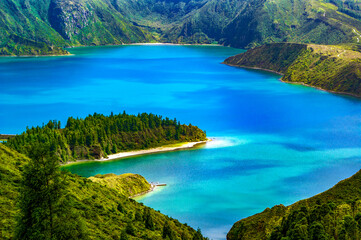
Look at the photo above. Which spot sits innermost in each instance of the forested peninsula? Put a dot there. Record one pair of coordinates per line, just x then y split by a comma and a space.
333, 68
333, 214
97, 136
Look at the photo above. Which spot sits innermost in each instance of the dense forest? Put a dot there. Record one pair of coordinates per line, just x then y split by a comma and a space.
97, 135
40, 201
332, 215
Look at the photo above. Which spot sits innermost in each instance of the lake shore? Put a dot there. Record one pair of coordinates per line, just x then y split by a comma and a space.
166, 148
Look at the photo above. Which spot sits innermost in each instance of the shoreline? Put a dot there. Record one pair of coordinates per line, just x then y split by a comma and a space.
113, 45
120, 155
296, 83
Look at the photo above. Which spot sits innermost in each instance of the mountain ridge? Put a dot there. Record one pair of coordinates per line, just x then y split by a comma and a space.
235, 23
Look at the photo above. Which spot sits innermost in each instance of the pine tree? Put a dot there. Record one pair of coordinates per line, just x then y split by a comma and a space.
44, 211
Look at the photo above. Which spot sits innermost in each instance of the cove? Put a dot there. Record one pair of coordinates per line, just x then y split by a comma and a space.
274, 142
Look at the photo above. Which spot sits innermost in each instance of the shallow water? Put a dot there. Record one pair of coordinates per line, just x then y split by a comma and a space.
275, 142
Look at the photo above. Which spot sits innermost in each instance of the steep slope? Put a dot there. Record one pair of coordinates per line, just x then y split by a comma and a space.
333, 68
333, 214
64, 23
237, 23
104, 211
92, 22
10, 174
250, 23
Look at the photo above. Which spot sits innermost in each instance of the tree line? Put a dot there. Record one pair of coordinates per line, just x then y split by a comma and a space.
97, 136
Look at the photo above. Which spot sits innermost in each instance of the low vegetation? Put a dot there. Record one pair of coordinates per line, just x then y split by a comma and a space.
97, 135
333, 68
333, 214
127, 184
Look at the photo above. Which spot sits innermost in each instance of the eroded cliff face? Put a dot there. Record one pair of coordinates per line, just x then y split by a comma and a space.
68, 17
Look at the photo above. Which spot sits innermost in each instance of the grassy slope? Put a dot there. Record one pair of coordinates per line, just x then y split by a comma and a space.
333, 68
127, 184
104, 211
10, 165
261, 225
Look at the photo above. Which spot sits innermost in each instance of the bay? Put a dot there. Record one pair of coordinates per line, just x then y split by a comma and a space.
274, 142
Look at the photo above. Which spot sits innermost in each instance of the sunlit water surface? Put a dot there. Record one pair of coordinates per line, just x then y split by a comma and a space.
275, 142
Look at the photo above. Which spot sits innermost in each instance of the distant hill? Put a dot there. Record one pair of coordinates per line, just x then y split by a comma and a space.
333, 214
334, 68
104, 212
236, 23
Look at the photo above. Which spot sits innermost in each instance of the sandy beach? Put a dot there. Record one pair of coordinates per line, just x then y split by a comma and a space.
167, 148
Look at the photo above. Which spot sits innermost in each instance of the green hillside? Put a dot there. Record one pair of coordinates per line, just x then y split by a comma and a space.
334, 68
237, 23
127, 184
102, 212
333, 214
18, 46
97, 135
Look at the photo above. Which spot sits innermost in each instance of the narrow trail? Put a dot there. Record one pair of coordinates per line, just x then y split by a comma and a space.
358, 40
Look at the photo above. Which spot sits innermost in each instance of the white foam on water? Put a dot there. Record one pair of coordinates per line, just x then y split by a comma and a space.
223, 142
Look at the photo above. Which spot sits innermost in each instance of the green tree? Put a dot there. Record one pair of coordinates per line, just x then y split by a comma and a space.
168, 231
129, 229
148, 219
123, 236
44, 209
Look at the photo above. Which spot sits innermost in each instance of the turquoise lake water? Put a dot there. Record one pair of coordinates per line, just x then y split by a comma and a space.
275, 142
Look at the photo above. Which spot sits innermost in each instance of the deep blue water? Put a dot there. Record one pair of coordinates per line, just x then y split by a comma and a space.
276, 142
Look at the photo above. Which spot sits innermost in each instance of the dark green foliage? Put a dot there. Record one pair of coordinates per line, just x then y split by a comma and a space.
129, 229
168, 232
123, 236
334, 214
148, 219
97, 136
93, 208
